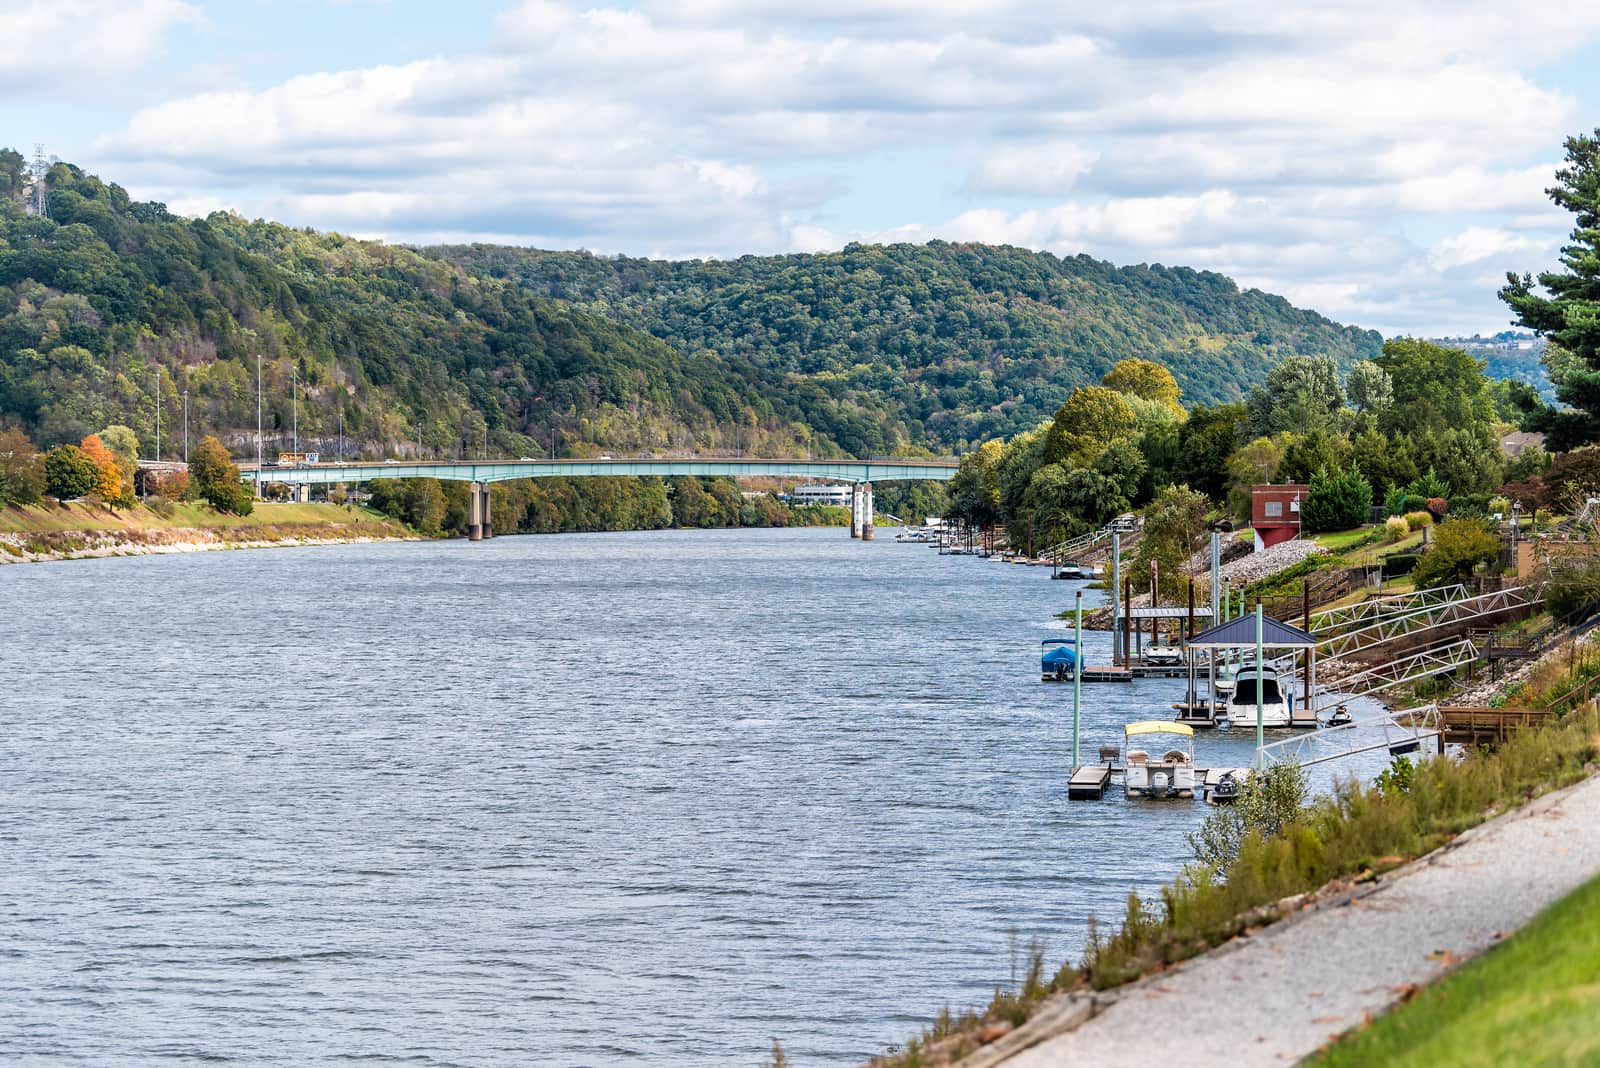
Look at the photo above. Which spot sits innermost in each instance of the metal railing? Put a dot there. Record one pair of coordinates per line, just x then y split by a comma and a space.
1403, 732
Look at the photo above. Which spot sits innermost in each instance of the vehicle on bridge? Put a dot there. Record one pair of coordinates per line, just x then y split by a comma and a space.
298, 459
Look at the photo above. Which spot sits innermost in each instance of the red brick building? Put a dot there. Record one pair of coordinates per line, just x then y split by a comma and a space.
1275, 512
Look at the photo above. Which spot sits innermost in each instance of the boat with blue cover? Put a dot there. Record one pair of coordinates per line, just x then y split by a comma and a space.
1058, 657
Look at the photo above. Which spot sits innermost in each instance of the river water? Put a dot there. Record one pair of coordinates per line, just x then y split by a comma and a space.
580, 800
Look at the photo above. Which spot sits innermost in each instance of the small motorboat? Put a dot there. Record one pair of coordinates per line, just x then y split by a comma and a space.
1225, 791
1058, 658
1164, 656
1171, 775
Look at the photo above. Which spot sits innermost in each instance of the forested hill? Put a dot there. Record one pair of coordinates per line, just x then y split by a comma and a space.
106, 295
945, 343
870, 351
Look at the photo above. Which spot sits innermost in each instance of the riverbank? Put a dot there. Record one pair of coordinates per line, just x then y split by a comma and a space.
1353, 955
83, 530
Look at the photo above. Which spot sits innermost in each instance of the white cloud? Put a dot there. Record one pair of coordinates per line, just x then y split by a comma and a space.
1296, 146
45, 44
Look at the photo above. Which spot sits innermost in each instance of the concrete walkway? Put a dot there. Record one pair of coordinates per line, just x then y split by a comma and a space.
1276, 997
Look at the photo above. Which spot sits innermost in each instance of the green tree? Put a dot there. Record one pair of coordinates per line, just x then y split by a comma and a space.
1568, 311
1336, 501
1092, 418
215, 478
1254, 464
1300, 394
1207, 439
1174, 529
1145, 379
22, 470
1435, 388
975, 487
1369, 387
1458, 547
70, 473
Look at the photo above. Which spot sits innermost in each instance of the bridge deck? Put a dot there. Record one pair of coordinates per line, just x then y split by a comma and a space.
502, 470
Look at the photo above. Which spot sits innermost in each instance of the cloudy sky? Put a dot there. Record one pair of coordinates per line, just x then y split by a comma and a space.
1382, 161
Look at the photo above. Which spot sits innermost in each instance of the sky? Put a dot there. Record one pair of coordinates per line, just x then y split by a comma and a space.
1381, 162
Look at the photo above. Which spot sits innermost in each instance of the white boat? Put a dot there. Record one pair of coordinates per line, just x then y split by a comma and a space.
1277, 700
1171, 774
1163, 655
915, 536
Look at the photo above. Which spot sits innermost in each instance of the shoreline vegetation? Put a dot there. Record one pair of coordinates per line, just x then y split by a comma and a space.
87, 530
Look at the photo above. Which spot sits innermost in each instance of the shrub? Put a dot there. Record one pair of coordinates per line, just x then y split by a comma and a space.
1459, 546
1418, 520
1438, 507
1413, 503
161, 506
1500, 506
1394, 501
1395, 528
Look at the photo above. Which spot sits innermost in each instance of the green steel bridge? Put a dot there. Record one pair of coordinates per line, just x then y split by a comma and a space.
856, 471
861, 474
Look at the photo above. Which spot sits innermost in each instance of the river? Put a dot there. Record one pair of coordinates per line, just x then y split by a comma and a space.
580, 800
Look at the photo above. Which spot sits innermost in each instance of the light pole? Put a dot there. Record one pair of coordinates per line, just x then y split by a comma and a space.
186, 427
158, 414
341, 433
258, 424
294, 389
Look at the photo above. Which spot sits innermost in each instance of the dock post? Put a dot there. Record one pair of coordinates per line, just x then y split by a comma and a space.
488, 522
866, 512
1127, 614
1077, 676
1116, 584
1216, 573
1260, 731
855, 509
474, 513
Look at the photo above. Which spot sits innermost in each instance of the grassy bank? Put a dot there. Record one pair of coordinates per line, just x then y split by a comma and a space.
83, 529
1532, 1000
180, 515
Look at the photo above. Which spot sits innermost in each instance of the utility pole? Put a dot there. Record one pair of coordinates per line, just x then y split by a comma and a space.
158, 414
186, 427
341, 433
294, 378
258, 424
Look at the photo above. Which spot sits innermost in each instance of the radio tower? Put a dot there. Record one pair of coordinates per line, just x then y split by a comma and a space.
41, 203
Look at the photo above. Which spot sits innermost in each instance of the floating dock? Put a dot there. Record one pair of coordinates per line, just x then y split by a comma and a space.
1119, 673
1089, 782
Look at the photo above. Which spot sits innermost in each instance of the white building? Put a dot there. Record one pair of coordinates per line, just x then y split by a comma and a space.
821, 494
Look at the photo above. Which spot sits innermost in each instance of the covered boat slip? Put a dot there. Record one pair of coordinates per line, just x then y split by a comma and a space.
1256, 634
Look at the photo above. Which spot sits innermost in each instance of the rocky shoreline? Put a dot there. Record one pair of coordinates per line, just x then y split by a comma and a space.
24, 548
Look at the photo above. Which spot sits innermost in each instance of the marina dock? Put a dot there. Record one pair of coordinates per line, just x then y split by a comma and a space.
1091, 781
1121, 673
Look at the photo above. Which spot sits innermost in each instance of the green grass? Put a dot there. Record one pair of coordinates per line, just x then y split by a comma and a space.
1337, 540
83, 515
1533, 1000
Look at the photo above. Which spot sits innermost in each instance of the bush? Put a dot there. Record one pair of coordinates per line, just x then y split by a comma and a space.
1395, 528
1438, 507
1394, 502
1418, 520
1397, 564
1413, 503
161, 506
1459, 547
1571, 587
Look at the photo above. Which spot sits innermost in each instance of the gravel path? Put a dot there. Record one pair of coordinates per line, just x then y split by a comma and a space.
1276, 997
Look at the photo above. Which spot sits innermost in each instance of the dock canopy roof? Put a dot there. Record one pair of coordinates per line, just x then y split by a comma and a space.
1157, 726
1168, 611
1241, 634
1059, 641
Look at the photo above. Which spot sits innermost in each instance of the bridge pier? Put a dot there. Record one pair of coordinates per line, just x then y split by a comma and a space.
485, 511
474, 513
866, 512
855, 509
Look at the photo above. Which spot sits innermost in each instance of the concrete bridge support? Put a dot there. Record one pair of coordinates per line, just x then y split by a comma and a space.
855, 509
474, 513
866, 511
485, 512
